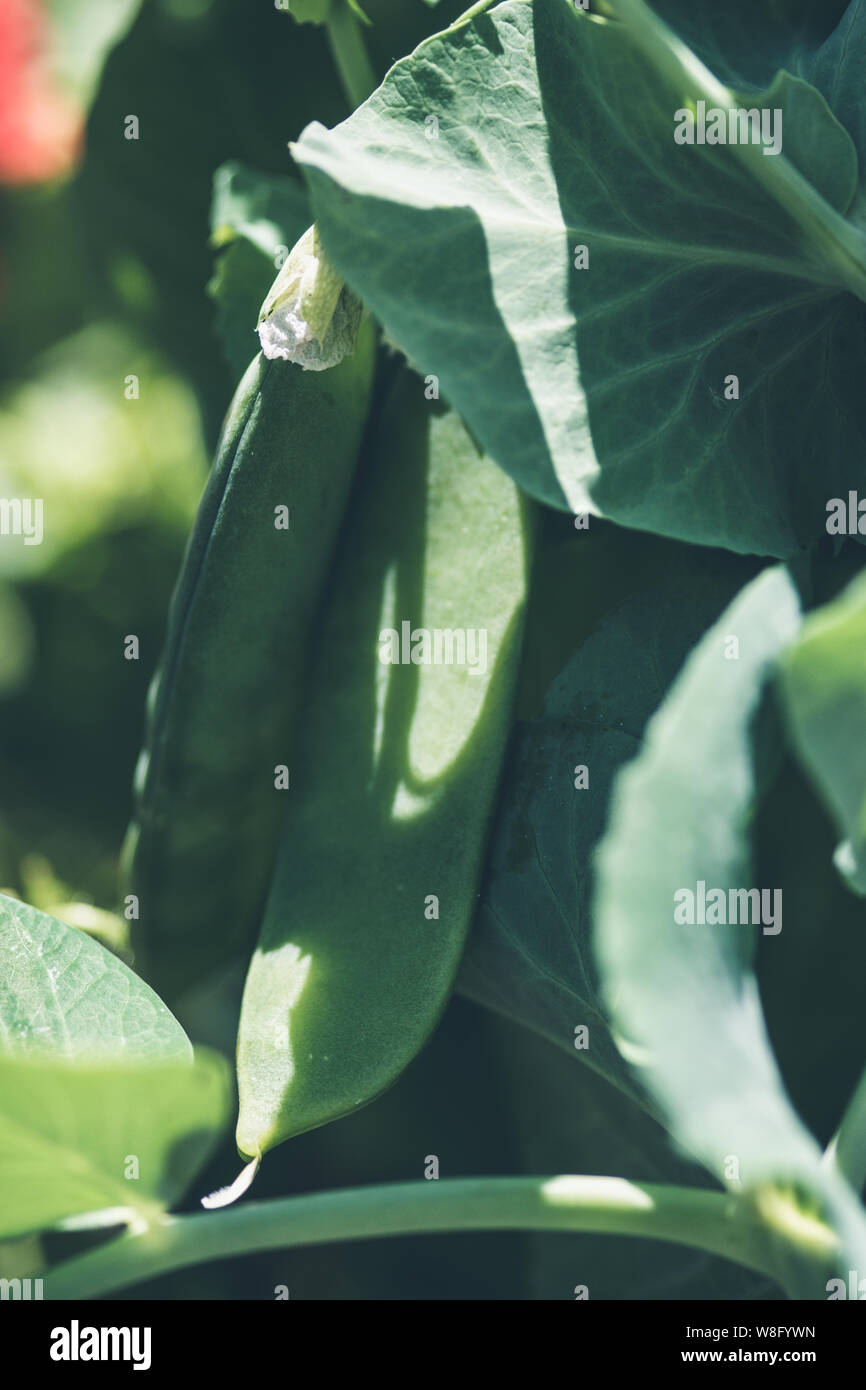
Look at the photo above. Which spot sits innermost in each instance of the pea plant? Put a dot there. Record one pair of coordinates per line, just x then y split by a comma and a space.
518, 654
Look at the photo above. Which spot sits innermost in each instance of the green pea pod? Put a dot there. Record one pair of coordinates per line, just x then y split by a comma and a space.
220, 712
404, 725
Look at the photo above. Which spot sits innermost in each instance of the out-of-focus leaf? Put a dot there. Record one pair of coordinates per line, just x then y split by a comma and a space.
103, 1143
613, 617
101, 436
742, 41
256, 219
268, 210
17, 639
570, 1120
824, 682
679, 816
104, 1112
83, 34
235, 81
683, 994
307, 11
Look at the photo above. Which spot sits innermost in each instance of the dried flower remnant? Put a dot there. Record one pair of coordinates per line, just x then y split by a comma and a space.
309, 315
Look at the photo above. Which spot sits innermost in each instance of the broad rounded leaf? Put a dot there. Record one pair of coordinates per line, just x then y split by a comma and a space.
62, 995
587, 289
105, 1115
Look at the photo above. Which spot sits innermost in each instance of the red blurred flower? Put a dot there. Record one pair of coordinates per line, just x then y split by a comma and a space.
40, 128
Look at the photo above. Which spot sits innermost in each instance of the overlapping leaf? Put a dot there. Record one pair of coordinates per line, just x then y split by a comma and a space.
590, 682
683, 995
62, 995
102, 1144
824, 680
256, 219
104, 1113
455, 199
741, 40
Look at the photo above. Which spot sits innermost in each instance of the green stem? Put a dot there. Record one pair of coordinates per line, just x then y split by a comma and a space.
468, 15
350, 56
709, 1221
846, 1151
830, 234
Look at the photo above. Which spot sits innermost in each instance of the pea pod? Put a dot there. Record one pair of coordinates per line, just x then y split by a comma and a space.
220, 712
381, 850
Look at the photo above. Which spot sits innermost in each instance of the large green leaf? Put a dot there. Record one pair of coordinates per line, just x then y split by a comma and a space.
684, 995
100, 1144
62, 995
594, 671
604, 389
824, 681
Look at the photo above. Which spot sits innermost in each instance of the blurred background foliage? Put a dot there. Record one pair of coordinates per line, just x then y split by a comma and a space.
108, 247
105, 261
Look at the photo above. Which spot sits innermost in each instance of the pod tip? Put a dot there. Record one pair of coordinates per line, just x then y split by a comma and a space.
224, 1196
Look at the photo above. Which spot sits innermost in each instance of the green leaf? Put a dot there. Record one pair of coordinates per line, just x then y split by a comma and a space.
69, 1135
94, 1073
125, 477
593, 672
62, 995
267, 210
744, 41
824, 683
308, 11
679, 817
604, 389
836, 67
204, 87
392, 787
684, 996
81, 38
256, 219
568, 1116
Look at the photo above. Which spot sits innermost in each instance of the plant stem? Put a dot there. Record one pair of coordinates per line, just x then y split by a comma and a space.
350, 56
846, 1151
831, 235
709, 1221
468, 15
